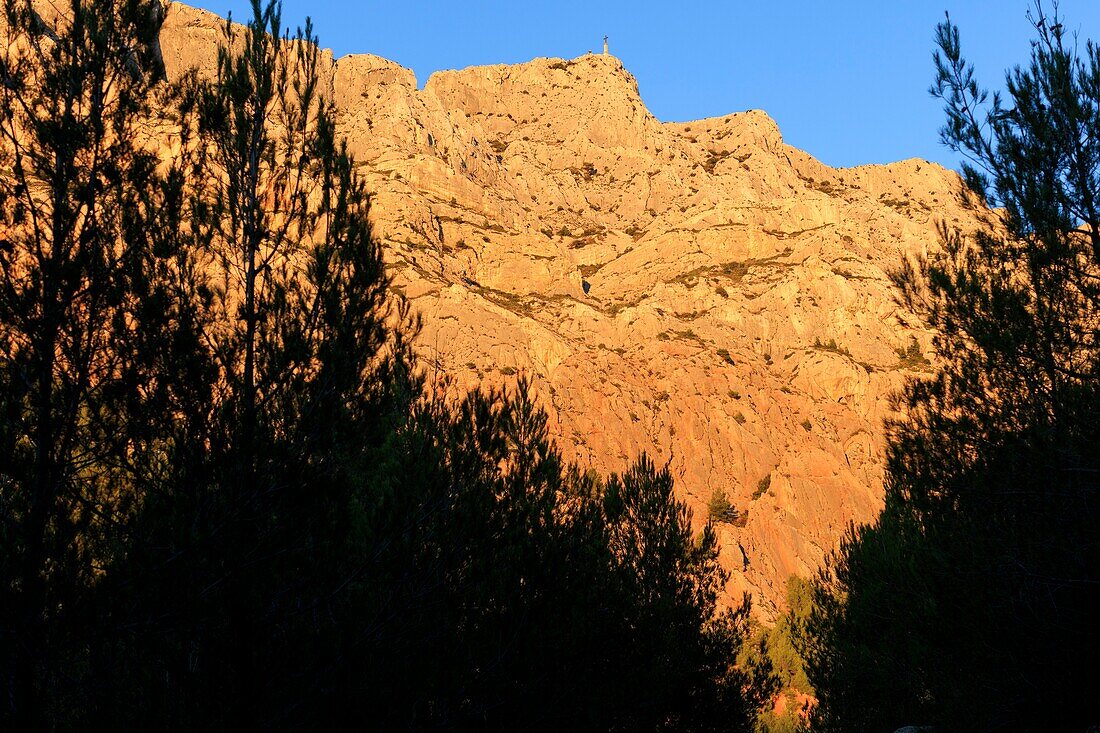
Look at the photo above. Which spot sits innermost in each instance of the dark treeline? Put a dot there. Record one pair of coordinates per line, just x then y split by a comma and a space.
973, 602
228, 499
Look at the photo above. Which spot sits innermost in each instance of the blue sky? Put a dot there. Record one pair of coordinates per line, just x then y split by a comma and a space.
846, 80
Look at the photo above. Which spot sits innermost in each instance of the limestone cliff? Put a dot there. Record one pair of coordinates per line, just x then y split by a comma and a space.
700, 291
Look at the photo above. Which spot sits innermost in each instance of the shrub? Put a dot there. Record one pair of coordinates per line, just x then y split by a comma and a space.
912, 357
764, 484
831, 345
719, 508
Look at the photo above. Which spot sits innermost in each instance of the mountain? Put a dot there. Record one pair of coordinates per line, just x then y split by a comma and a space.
700, 291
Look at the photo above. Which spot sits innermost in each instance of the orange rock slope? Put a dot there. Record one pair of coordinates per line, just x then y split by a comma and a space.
700, 291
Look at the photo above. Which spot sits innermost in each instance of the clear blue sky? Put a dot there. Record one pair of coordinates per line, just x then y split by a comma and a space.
846, 80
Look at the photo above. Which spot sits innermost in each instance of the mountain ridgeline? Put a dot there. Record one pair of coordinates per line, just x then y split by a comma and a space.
700, 292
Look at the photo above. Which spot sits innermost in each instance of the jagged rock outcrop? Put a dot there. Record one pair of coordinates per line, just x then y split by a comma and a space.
700, 291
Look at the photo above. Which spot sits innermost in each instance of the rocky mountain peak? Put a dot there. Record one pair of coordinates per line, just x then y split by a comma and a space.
700, 291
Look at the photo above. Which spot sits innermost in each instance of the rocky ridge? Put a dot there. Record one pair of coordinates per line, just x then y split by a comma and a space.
700, 291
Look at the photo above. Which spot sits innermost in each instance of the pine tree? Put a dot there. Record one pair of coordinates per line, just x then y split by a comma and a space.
969, 603
554, 599
248, 557
79, 198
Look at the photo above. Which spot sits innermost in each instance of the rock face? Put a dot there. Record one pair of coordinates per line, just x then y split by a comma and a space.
699, 291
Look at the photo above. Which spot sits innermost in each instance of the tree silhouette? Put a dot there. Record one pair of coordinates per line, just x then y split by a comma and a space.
968, 603
247, 558
79, 214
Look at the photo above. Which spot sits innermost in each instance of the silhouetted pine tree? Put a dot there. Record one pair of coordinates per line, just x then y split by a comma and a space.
971, 603
246, 560
79, 405
545, 598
